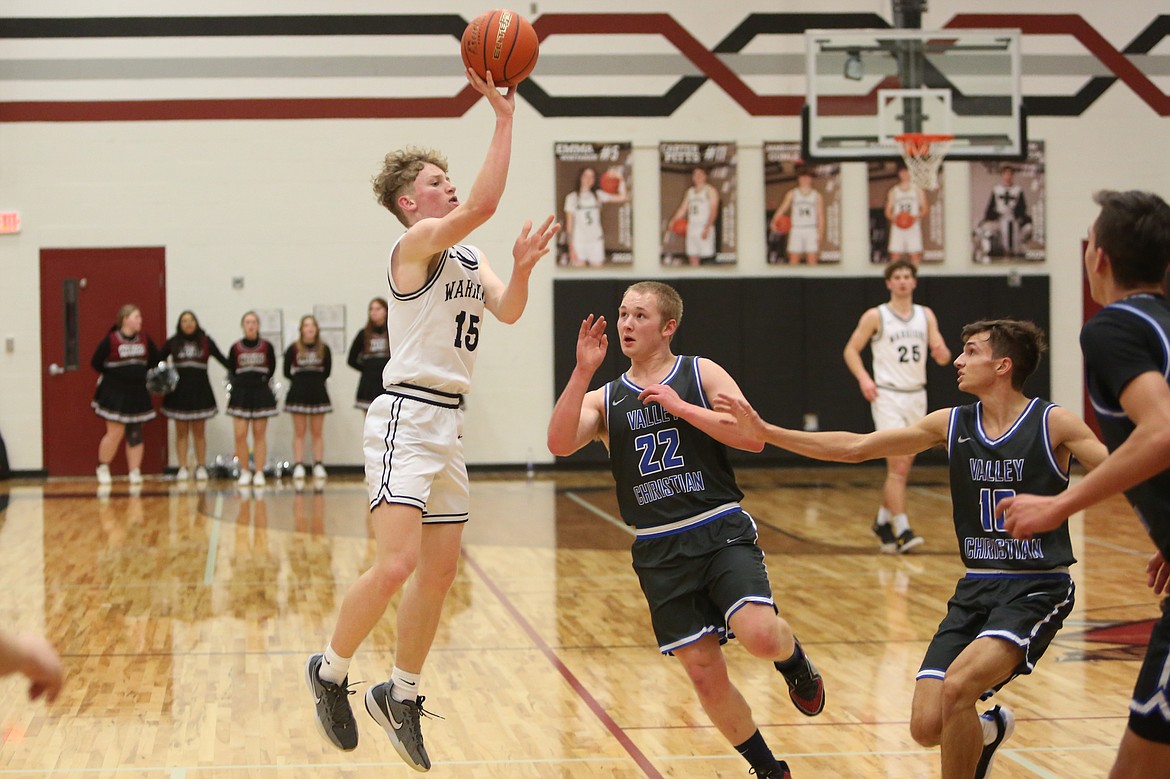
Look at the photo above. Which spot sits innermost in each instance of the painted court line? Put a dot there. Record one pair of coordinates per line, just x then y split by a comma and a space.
604, 515
213, 543
598, 710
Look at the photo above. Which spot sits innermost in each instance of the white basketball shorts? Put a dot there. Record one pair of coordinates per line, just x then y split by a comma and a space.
894, 409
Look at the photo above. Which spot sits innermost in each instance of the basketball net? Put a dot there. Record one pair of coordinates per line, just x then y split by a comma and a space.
924, 155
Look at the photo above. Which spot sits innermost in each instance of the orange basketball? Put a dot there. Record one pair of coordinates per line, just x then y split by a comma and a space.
784, 224
679, 226
611, 182
503, 42
904, 220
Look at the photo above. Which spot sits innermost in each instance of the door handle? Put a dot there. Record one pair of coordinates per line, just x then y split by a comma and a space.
56, 370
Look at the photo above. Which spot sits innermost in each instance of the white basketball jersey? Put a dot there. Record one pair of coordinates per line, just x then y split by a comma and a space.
586, 210
435, 330
804, 209
900, 348
698, 208
906, 200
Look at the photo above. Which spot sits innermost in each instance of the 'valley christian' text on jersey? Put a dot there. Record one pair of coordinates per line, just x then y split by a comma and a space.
985, 471
435, 329
899, 349
670, 475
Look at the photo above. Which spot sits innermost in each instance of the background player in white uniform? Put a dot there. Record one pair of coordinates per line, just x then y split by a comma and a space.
700, 206
414, 456
906, 198
899, 334
807, 230
583, 216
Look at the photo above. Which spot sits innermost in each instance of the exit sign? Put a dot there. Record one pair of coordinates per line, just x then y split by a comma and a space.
9, 221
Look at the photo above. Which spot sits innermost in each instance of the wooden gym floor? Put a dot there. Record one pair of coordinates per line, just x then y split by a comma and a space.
184, 618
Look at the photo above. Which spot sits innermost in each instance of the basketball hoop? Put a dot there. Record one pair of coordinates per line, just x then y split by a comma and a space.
924, 155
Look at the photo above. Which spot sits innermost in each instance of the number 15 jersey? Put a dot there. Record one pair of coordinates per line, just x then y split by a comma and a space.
434, 331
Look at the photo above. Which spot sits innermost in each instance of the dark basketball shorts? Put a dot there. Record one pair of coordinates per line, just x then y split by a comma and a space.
1024, 609
694, 580
1150, 706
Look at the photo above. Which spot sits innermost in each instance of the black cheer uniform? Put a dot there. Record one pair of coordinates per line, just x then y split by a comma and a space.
121, 394
251, 364
368, 354
193, 398
307, 369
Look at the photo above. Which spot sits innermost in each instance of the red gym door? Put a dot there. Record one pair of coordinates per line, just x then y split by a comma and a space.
81, 292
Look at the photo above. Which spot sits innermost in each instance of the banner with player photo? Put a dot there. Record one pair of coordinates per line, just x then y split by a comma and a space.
1008, 209
594, 203
905, 221
698, 205
803, 207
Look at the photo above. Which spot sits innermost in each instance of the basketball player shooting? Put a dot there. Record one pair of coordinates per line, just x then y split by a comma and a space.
415, 469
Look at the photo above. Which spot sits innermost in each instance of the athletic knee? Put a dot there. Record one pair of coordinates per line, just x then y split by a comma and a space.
926, 728
709, 679
437, 576
390, 574
770, 640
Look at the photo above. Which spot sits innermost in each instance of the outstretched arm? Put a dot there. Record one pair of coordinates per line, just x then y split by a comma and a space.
716, 381
1146, 401
839, 446
428, 236
507, 301
579, 415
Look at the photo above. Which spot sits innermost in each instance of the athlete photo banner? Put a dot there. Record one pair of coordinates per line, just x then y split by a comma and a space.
802, 215
698, 203
594, 194
1008, 210
905, 221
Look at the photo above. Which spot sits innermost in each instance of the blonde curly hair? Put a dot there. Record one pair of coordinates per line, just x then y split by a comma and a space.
399, 170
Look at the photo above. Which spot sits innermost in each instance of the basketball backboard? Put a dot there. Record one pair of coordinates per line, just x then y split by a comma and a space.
867, 86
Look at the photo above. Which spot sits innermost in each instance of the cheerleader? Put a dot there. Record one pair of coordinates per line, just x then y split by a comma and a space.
307, 364
369, 353
192, 402
251, 363
121, 399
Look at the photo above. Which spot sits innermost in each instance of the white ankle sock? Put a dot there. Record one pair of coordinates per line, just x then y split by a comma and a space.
990, 729
901, 524
334, 668
884, 516
405, 687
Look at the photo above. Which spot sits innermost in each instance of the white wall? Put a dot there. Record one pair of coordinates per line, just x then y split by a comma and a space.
287, 205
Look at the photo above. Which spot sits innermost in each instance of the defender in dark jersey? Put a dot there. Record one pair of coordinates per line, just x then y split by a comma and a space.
1127, 361
695, 550
1016, 594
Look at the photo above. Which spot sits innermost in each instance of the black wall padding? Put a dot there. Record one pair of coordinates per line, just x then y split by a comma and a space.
781, 339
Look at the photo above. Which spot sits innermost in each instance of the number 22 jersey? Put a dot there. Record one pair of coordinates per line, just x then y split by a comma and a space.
667, 471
